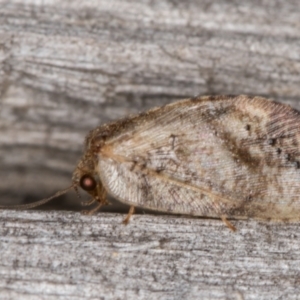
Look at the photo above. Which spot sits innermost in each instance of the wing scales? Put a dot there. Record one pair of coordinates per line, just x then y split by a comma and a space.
240, 160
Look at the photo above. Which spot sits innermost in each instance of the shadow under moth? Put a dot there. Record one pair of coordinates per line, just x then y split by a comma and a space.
216, 156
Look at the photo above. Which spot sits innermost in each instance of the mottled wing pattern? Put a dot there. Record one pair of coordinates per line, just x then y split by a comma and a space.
229, 156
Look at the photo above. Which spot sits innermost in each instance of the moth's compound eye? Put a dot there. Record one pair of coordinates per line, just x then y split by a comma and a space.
87, 183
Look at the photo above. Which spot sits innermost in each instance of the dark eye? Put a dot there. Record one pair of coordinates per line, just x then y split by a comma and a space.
87, 183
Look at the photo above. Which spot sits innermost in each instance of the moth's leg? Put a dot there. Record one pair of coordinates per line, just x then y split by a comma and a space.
130, 213
88, 202
99, 197
228, 224
92, 211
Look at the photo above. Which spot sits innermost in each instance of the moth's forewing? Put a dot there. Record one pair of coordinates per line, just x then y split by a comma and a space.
212, 156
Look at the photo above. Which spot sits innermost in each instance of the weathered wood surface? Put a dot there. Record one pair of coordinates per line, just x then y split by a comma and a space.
48, 255
67, 66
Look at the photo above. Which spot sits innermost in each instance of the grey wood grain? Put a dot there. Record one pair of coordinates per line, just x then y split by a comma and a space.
53, 255
68, 66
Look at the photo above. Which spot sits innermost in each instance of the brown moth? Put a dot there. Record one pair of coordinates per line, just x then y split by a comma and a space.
220, 156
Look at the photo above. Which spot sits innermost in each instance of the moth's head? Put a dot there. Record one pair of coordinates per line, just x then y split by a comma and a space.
85, 176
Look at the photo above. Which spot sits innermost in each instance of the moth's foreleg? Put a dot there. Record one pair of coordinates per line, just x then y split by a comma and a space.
99, 197
92, 211
88, 202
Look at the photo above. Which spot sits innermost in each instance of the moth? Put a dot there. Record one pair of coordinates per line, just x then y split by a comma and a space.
214, 156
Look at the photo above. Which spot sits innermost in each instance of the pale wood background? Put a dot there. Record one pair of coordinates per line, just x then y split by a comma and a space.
67, 66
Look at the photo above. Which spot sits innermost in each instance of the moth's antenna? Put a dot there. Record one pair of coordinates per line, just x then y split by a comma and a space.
37, 203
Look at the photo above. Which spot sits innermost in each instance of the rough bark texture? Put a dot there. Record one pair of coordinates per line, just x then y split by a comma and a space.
67, 66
